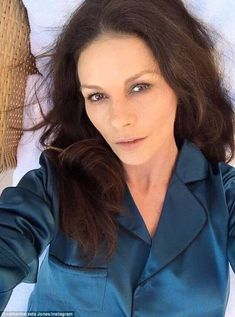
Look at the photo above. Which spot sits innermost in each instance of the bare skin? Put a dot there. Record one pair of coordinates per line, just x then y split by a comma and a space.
144, 107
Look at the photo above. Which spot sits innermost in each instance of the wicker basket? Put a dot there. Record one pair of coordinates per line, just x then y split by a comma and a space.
16, 63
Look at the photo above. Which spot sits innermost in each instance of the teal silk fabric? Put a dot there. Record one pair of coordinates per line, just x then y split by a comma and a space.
182, 272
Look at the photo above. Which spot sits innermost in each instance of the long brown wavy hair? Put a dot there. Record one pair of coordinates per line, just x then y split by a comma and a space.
91, 178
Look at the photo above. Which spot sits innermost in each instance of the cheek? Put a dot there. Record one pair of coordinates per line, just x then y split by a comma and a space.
96, 119
158, 114
91, 115
167, 106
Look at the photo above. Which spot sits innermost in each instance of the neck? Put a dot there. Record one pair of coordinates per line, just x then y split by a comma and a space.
157, 173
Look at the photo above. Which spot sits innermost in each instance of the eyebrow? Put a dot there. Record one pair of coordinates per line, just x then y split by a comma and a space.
126, 81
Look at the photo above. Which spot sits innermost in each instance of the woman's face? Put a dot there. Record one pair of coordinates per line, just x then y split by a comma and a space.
126, 97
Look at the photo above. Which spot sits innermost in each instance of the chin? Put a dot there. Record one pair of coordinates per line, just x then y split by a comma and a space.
136, 161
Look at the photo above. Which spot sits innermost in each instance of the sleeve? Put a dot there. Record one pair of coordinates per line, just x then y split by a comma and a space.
27, 226
229, 190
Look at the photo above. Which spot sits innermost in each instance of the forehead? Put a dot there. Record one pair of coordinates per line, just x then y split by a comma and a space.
121, 55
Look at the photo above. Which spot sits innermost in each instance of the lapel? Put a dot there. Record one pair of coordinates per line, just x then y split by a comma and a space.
182, 217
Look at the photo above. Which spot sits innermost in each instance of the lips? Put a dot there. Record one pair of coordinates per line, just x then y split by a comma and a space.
129, 140
130, 145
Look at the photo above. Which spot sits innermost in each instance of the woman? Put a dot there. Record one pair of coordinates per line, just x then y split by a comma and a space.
134, 196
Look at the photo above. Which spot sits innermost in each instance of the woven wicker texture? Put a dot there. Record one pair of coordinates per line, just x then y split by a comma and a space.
16, 63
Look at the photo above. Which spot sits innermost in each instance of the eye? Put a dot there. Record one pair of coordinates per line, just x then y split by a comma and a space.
143, 85
97, 97
91, 97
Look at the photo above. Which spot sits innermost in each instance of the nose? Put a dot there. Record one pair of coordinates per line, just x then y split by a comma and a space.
121, 116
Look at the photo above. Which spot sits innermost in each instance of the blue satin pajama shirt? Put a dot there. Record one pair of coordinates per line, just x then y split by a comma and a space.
182, 272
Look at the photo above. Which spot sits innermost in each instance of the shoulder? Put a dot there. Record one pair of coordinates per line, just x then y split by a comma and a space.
227, 173
39, 182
